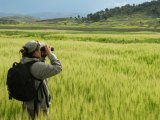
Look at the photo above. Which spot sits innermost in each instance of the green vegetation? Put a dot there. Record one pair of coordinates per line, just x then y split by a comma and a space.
13, 20
95, 36
110, 64
143, 11
142, 17
106, 75
148, 8
145, 15
136, 22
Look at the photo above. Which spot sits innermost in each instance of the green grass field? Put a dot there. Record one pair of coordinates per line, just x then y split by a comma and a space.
134, 22
106, 75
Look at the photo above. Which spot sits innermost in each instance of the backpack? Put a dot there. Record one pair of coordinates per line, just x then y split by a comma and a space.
21, 83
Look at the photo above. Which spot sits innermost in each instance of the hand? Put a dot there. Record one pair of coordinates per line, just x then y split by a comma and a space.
47, 50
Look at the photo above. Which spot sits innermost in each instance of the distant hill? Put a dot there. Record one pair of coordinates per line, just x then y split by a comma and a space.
2, 14
142, 16
54, 20
42, 15
151, 9
16, 19
53, 15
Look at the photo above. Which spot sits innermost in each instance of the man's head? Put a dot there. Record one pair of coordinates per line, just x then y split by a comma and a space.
31, 49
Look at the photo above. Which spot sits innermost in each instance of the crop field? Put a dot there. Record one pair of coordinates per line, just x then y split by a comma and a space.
106, 75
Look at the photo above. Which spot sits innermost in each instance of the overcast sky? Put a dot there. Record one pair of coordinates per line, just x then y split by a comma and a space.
75, 6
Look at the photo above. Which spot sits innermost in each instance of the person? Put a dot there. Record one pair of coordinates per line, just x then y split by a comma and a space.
41, 71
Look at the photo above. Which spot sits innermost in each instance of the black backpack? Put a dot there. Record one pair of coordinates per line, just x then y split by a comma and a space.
21, 83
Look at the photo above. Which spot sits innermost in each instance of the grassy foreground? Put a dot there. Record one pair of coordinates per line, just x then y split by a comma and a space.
100, 80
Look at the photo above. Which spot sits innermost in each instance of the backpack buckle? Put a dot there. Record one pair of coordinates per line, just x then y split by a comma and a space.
14, 64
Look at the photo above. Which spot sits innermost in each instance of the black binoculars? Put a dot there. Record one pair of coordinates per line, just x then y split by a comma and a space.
43, 49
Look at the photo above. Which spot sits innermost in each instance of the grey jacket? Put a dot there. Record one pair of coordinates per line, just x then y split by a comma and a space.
42, 71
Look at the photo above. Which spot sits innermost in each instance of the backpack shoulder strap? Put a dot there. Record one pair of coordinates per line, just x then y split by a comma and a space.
29, 64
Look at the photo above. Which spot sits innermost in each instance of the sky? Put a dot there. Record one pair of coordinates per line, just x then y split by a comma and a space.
72, 6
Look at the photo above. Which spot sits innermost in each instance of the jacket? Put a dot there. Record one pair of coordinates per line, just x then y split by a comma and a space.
42, 71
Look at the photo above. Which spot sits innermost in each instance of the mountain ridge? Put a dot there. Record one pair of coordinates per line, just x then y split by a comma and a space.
44, 15
147, 8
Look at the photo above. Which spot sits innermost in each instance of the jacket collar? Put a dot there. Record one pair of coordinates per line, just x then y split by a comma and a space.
26, 59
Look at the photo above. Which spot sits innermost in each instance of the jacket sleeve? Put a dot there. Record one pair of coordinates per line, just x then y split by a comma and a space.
42, 71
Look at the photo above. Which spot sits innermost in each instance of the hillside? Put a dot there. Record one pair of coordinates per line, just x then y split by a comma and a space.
145, 15
17, 19
151, 9
142, 17
55, 15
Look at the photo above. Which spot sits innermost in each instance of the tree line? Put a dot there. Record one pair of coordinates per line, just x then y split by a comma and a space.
148, 8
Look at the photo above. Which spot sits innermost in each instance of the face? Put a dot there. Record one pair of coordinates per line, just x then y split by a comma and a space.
37, 53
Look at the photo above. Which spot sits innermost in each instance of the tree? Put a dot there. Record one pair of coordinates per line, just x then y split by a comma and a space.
150, 8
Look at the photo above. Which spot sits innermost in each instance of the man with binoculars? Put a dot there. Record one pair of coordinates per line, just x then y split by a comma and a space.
35, 51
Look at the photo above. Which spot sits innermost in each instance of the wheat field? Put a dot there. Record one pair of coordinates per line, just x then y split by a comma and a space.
101, 80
